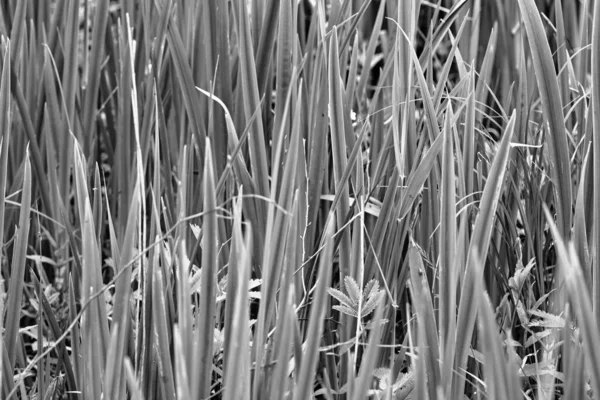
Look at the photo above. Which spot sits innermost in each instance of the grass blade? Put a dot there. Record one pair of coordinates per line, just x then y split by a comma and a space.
16, 282
304, 387
205, 318
595, 112
552, 107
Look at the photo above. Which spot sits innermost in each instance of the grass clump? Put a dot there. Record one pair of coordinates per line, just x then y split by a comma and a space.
294, 199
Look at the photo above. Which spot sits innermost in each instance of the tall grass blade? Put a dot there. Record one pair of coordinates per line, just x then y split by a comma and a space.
595, 112
237, 353
304, 382
482, 233
161, 322
580, 300
205, 318
17, 275
338, 150
553, 114
251, 101
447, 269
499, 373
365, 376
5, 134
428, 345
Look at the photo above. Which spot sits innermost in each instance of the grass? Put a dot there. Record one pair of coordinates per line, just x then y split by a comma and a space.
292, 199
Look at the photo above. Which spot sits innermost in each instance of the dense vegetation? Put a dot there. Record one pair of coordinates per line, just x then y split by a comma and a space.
265, 199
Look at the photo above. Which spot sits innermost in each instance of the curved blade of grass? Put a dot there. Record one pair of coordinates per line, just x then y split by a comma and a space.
17, 275
560, 165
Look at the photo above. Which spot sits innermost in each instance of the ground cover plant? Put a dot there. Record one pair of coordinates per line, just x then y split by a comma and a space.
331, 199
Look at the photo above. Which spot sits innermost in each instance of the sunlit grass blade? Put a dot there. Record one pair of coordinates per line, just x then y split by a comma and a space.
182, 373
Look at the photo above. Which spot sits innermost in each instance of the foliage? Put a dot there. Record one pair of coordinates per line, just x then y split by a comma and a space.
332, 199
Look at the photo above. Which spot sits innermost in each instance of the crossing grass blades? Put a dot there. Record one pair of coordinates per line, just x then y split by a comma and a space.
332, 199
